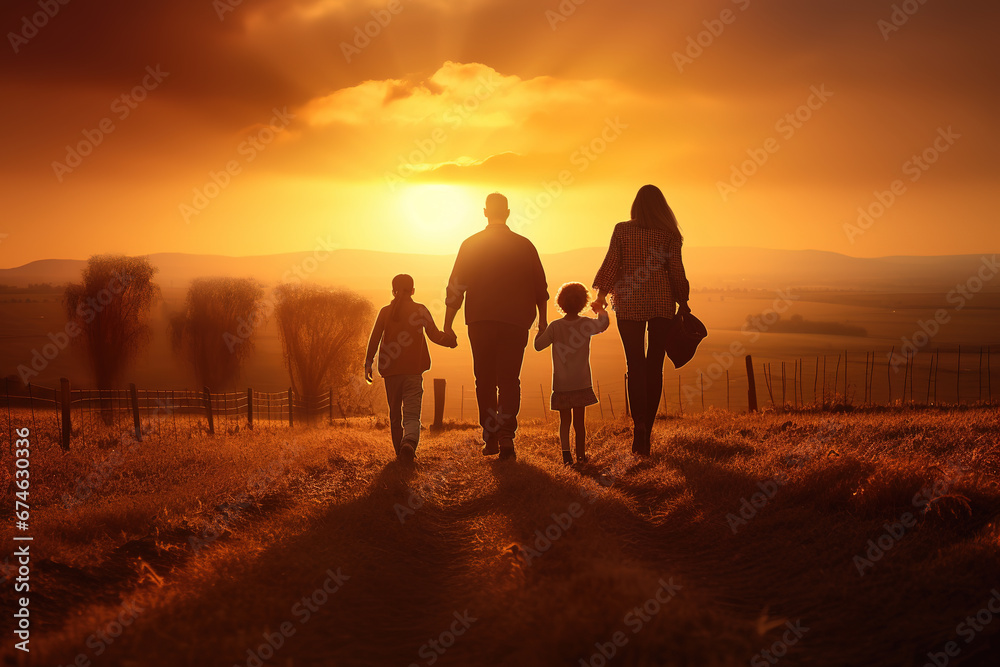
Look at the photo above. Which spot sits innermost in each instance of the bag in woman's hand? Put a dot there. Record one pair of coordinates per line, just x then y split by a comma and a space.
686, 333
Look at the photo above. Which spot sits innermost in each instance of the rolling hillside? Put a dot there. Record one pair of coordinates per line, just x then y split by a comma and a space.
718, 267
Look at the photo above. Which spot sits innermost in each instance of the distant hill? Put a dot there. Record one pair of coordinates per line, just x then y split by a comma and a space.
707, 267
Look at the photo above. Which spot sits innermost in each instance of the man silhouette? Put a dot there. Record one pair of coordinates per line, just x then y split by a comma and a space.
499, 276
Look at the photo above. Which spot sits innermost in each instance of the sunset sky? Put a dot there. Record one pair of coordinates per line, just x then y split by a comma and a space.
392, 141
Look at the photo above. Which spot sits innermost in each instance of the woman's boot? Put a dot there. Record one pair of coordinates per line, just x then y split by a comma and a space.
640, 443
647, 439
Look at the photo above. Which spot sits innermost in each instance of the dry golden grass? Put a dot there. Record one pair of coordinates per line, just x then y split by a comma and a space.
333, 499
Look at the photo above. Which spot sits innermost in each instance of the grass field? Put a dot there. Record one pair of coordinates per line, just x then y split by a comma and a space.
858, 538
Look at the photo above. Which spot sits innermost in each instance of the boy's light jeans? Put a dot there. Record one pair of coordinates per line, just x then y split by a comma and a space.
405, 393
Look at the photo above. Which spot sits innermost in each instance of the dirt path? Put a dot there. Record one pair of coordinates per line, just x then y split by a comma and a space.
425, 571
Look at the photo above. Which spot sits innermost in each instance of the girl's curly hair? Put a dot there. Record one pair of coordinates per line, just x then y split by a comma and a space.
572, 298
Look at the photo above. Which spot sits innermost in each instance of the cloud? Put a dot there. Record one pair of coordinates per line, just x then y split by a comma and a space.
464, 122
463, 163
471, 94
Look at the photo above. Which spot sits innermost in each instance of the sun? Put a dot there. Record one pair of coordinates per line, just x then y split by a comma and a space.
441, 215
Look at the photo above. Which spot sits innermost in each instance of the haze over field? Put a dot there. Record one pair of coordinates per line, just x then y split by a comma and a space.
707, 268
830, 303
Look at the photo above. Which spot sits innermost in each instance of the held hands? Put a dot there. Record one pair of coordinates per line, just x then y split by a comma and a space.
450, 338
599, 305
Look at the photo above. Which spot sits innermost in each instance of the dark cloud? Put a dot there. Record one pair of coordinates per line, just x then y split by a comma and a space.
268, 51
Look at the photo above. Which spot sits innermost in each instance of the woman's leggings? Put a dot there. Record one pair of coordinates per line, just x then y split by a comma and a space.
645, 365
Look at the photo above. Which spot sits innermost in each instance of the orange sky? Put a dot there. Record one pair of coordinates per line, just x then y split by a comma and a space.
394, 144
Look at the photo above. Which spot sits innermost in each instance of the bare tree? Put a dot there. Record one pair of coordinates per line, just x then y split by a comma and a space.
215, 332
323, 335
111, 309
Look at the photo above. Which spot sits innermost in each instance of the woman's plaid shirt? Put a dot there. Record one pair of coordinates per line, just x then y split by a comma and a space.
638, 270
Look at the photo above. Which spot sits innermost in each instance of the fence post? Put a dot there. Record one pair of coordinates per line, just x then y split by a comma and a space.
783, 406
751, 386
439, 396
870, 381
930, 373
802, 382
797, 384
980, 373
766, 370
913, 372
906, 376
836, 381
250, 408
134, 398
816, 378
888, 372
291, 409
958, 378
845, 377
67, 425
937, 367
206, 395
867, 355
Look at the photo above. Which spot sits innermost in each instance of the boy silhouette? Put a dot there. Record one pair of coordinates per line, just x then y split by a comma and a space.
398, 335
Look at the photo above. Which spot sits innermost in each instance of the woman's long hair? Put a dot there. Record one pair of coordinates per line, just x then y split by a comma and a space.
650, 209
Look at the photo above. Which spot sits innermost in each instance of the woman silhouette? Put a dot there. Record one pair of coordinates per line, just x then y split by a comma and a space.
644, 275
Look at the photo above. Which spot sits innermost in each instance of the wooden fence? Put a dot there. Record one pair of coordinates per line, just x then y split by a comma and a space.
820, 382
248, 408
954, 376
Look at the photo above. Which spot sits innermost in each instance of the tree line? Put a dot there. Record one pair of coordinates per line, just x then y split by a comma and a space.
322, 330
